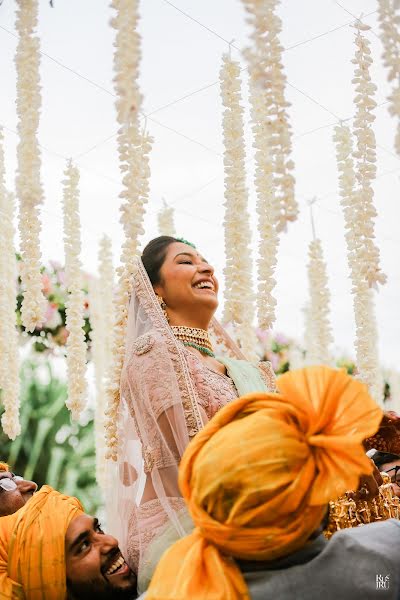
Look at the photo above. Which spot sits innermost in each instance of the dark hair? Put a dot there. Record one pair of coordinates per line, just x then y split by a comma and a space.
154, 254
381, 458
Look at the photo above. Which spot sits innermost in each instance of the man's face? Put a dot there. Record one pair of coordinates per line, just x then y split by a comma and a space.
94, 563
18, 491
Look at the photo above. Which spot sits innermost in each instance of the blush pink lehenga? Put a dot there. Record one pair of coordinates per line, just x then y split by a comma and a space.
167, 395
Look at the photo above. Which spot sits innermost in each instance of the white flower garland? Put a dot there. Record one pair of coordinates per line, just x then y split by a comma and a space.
389, 19
76, 345
9, 355
320, 339
267, 74
239, 296
102, 321
366, 330
134, 149
28, 185
365, 157
267, 211
165, 218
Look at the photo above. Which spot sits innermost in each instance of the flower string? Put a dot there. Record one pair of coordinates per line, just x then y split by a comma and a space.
320, 340
165, 217
267, 74
9, 355
239, 296
28, 185
363, 304
365, 158
76, 345
389, 19
102, 320
134, 149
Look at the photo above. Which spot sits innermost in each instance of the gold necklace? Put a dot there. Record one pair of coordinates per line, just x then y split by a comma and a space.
196, 338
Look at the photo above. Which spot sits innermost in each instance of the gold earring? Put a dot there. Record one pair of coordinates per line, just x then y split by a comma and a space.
163, 306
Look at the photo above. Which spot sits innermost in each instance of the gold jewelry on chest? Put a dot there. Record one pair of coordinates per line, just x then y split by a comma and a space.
196, 338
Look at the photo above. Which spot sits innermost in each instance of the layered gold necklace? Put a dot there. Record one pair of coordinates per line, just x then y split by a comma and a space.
196, 338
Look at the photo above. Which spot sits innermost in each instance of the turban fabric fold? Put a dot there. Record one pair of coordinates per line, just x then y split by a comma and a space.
32, 547
258, 477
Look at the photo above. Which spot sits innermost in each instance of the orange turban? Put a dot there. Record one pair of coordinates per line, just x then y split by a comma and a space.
4, 466
32, 542
258, 477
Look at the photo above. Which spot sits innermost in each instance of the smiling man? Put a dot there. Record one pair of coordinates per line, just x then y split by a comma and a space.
15, 491
51, 549
94, 563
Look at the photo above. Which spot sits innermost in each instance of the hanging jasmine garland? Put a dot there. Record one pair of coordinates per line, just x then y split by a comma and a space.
102, 319
321, 333
28, 185
389, 20
165, 218
9, 354
239, 297
366, 342
76, 345
133, 148
267, 74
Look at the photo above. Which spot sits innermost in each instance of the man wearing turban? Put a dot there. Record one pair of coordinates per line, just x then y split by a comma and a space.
15, 491
51, 550
257, 480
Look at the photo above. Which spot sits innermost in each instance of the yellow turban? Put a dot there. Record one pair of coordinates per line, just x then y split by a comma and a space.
32, 542
258, 477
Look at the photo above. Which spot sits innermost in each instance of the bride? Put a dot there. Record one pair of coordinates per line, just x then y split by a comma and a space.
172, 383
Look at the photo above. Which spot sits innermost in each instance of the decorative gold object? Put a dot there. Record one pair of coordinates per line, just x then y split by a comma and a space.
163, 306
196, 338
349, 512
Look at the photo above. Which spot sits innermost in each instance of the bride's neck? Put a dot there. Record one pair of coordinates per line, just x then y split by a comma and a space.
195, 321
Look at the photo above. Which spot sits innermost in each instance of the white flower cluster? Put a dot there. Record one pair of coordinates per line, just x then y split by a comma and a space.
320, 336
239, 296
133, 149
267, 74
9, 355
102, 321
365, 158
28, 185
363, 304
165, 218
389, 19
76, 345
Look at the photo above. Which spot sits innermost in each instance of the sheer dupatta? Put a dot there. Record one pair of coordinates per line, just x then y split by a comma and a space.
158, 415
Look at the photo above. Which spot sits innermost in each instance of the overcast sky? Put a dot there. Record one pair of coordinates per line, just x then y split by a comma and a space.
179, 80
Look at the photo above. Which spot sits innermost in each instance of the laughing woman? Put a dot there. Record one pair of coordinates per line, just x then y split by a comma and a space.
172, 383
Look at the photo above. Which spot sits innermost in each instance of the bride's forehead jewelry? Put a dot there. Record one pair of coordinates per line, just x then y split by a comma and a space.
183, 241
196, 338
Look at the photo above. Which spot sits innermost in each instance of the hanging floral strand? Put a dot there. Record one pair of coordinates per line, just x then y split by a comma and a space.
365, 156
134, 149
28, 185
239, 296
267, 212
389, 20
9, 355
165, 218
267, 74
321, 332
76, 345
366, 342
102, 320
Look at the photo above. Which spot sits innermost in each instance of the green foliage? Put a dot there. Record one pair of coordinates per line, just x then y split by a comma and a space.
51, 449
